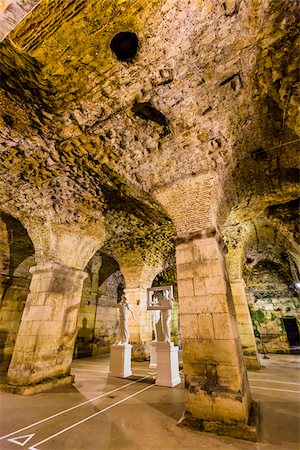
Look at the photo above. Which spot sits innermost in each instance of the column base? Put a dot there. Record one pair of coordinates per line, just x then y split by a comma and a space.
32, 389
167, 365
252, 362
238, 430
140, 351
153, 355
120, 360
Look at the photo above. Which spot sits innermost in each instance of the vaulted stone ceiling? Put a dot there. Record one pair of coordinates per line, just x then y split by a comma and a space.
210, 95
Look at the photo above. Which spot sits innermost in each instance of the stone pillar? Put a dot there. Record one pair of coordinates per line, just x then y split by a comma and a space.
96, 266
245, 324
217, 395
140, 327
44, 347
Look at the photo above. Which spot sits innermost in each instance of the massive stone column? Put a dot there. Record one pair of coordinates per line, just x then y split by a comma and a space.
245, 324
45, 341
44, 346
217, 395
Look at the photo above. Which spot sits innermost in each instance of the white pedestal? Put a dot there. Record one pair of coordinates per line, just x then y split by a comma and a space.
167, 364
120, 360
153, 357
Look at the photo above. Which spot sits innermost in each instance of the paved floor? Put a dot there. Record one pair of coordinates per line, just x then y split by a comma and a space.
100, 412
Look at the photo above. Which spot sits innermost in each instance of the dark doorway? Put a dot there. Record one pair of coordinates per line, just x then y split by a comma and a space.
292, 331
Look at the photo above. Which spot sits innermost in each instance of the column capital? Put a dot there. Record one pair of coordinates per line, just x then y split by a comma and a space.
96, 264
59, 270
206, 233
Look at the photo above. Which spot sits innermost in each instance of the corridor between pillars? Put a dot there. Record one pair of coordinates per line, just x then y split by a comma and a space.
44, 347
139, 325
217, 395
245, 324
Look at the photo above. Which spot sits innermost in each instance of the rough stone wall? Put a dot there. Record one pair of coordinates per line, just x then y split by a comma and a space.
98, 317
271, 297
211, 68
85, 322
107, 314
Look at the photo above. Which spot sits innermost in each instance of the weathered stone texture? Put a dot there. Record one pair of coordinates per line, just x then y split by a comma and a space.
210, 338
245, 324
45, 341
197, 131
12, 12
271, 298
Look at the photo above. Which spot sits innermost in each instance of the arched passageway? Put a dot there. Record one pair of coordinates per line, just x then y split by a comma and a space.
98, 314
16, 258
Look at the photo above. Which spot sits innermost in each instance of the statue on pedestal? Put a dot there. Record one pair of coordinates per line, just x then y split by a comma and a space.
123, 333
160, 302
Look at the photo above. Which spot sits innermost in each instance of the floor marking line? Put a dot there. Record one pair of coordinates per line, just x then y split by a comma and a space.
107, 373
88, 418
71, 408
278, 382
91, 366
16, 439
273, 389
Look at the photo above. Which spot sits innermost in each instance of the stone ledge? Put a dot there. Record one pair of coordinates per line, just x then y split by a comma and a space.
237, 430
36, 388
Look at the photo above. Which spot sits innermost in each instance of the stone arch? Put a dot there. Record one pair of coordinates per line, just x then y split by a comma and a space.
98, 314
23, 268
18, 242
17, 258
254, 239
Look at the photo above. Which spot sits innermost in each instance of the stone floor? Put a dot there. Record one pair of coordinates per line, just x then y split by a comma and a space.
100, 412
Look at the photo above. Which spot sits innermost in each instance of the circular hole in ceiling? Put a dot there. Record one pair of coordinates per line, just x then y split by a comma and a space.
124, 45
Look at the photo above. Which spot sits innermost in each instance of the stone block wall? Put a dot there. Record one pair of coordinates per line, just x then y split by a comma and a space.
98, 316
85, 322
12, 301
106, 323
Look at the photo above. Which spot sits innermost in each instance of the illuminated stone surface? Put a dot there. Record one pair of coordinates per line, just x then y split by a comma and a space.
194, 135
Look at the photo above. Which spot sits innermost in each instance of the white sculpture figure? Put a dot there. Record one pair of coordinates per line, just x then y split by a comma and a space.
166, 315
123, 334
157, 325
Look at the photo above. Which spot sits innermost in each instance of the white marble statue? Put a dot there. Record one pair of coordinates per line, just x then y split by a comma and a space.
157, 325
123, 333
166, 315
